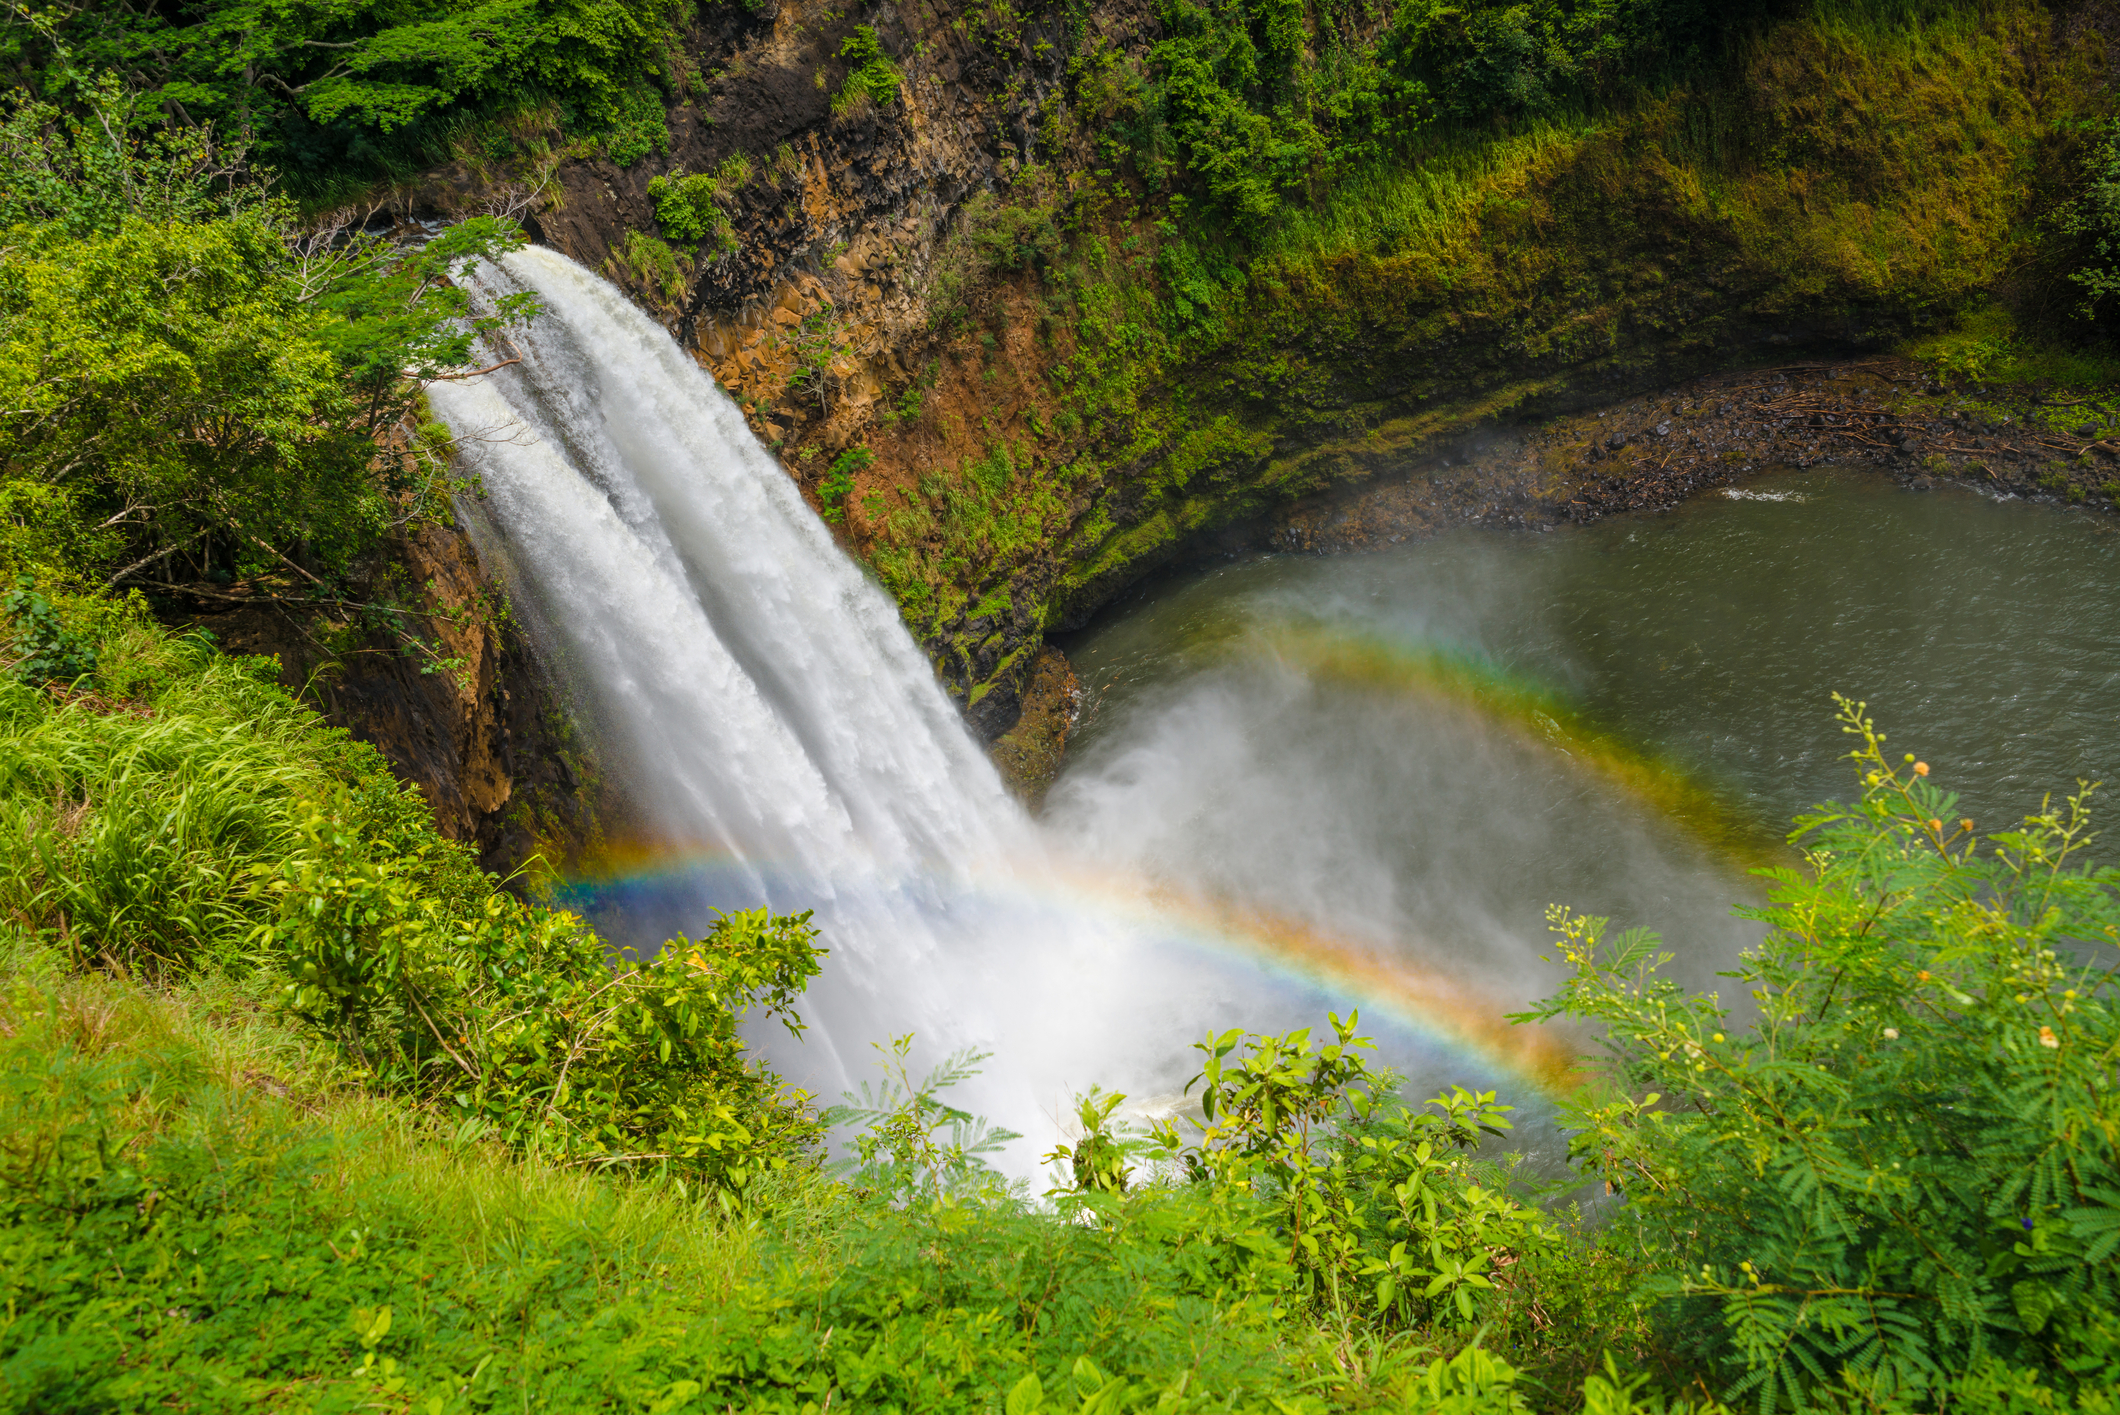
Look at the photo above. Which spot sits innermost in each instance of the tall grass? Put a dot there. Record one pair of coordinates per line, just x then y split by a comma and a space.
1427, 203
132, 829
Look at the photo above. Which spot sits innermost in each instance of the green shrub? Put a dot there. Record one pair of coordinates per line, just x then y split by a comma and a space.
45, 651
347, 93
638, 125
838, 483
872, 76
191, 385
687, 211
509, 1019
1906, 1168
649, 263
1365, 1201
216, 825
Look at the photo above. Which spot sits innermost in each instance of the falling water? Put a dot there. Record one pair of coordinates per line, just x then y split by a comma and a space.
781, 740
767, 715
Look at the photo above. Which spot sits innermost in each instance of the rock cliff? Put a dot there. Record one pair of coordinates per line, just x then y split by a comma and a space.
1018, 365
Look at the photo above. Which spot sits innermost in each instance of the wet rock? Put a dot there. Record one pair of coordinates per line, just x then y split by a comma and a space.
1028, 755
485, 740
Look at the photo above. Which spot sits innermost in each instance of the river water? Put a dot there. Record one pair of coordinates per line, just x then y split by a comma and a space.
1415, 751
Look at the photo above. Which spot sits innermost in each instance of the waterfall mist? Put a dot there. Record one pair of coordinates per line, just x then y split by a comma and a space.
781, 740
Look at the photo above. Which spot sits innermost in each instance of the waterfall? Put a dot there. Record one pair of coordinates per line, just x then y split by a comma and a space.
780, 740
767, 714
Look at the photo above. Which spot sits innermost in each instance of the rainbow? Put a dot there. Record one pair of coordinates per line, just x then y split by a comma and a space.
1444, 1010
1439, 1009
1539, 717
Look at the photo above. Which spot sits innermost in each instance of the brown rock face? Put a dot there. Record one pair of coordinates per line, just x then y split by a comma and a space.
470, 719
838, 208
1028, 755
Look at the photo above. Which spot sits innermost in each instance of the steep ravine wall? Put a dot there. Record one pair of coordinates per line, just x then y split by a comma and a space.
1042, 405
1835, 193
473, 719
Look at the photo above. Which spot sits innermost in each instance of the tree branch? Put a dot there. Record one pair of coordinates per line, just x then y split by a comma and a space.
163, 554
474, 373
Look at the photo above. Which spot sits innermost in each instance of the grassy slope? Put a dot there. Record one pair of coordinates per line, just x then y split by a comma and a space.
203, 1212
203, 1205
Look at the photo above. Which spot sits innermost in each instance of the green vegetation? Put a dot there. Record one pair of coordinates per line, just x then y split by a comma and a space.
304, 1111
688, 207
45, 652
1903, 1173
839, 482
193, 382
871, 77
297, 1109
339, 94
1258, 293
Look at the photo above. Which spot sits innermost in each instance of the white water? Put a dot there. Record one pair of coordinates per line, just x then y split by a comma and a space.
773, 722
778, 733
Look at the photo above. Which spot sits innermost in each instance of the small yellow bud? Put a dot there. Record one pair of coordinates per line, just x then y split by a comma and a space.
1719, 1035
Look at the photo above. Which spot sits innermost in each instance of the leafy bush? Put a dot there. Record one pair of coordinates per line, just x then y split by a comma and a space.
46, 652
872, 76
1360, 1192
651, 266
217, 826
196, 385
820, 345
1266, 99
839, 482
509, 1019
364, 85
638, 125
685, 206
2094, 216
1905, 1169
1493, 57
897, 1152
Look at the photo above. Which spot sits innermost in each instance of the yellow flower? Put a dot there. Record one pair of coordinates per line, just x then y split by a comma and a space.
1921, 768
2047, 1037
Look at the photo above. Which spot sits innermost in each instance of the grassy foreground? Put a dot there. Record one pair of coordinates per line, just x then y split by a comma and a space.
303, 1112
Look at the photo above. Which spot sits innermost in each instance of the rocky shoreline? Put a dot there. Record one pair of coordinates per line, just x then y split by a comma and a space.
1651, 452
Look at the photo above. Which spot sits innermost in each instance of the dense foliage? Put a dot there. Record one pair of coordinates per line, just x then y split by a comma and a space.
299, 1108
1270, 97
1892, 1191
177, 814
329, 91
193, 383
1908, 1168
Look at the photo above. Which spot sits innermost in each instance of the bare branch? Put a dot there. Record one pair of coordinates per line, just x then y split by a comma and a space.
163, 554
473, 373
